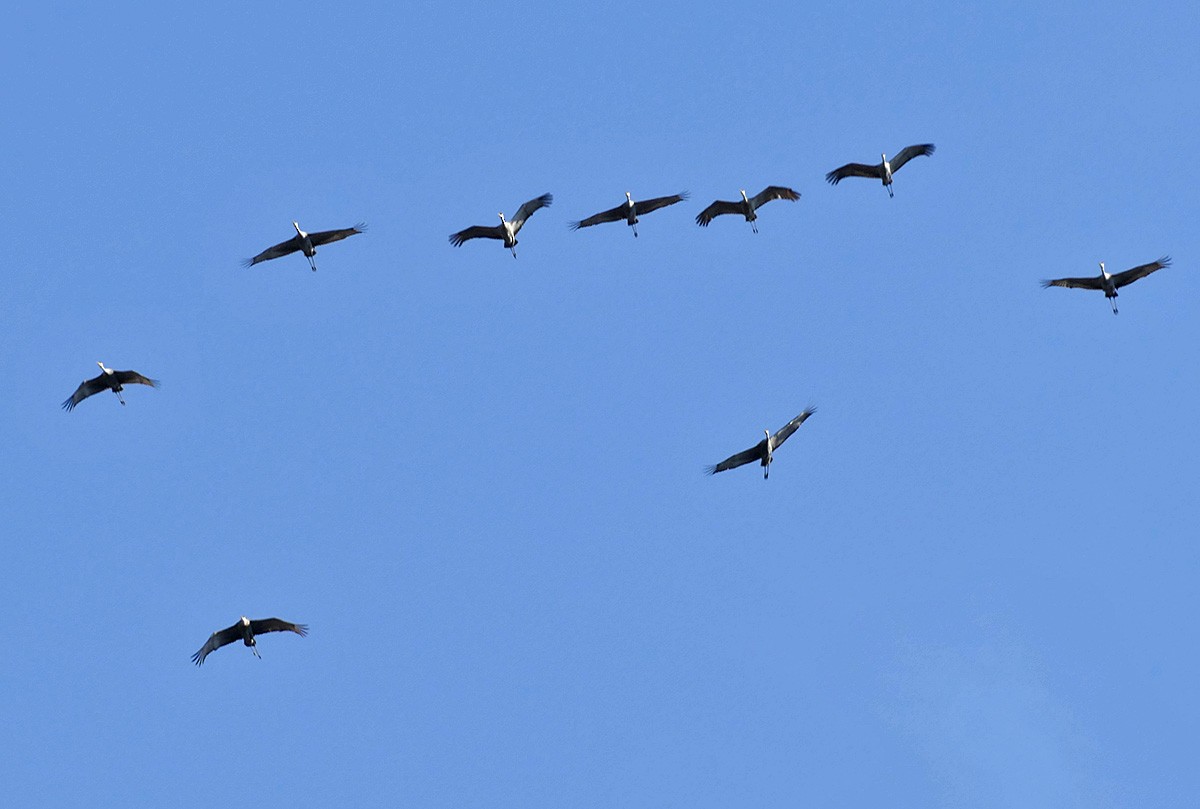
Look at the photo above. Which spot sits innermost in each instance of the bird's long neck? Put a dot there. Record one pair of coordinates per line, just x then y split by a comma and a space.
105, 370
628, 199
1104, 272
299, 232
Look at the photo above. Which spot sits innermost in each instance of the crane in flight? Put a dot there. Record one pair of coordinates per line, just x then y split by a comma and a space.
506, 231
108, 380
764, 450
1110, 282
245, 630
747, 206
629, 211
882, 170
304, 242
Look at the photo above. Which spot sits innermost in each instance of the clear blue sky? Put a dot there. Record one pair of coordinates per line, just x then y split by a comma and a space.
969, 581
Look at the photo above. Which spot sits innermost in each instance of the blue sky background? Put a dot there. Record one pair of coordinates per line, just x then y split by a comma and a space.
968, 582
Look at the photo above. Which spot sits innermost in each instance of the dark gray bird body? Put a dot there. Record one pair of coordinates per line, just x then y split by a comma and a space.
306, 243
1110, 283
629, 211
108, 380
747, 206
245, 630
764, 450
884, 169
507, 230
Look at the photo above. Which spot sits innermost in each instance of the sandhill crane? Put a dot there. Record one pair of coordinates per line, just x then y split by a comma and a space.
883, 170
506, 231
245, 630
764, 450
629, 211
108, 380
306, 242
1110, 283
747, 206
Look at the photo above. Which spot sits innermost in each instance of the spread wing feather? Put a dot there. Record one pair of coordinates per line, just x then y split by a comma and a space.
909, 152
477, 232
1129, 276
526, 210
216, 640
755, 453
1074, 283
134, 378
786, 430
327, 236
648, 205
276, 625
773, 192
854, 170
282, 249
611, 215
718, 208
87, 387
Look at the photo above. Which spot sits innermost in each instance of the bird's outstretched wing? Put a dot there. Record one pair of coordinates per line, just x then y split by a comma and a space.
773, 192
1074, 283
87, 387
134, 378
1129, 276
786, 430
611, 215
854, 170
276, 625
327, 236
648, 205
282, 249
909, 152
755, 453
527, 209
216, 640
477, 232
718, 208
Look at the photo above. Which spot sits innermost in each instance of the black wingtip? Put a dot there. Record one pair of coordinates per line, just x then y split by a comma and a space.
456, 240
1046, 284
710, 470
832, 178
546, 200
361, 227
574, 225
247, 262
68, 405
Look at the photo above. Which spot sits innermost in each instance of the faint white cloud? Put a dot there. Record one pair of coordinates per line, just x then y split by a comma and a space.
991, 730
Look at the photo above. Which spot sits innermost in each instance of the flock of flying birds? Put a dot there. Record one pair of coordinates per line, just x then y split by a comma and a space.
629, 212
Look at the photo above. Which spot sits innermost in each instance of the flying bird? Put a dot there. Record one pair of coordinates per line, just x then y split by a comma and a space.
245, 630
306, 242
629, 211
108, 380
506, 231
883, 170
747, 206
1110, 283
764, 450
